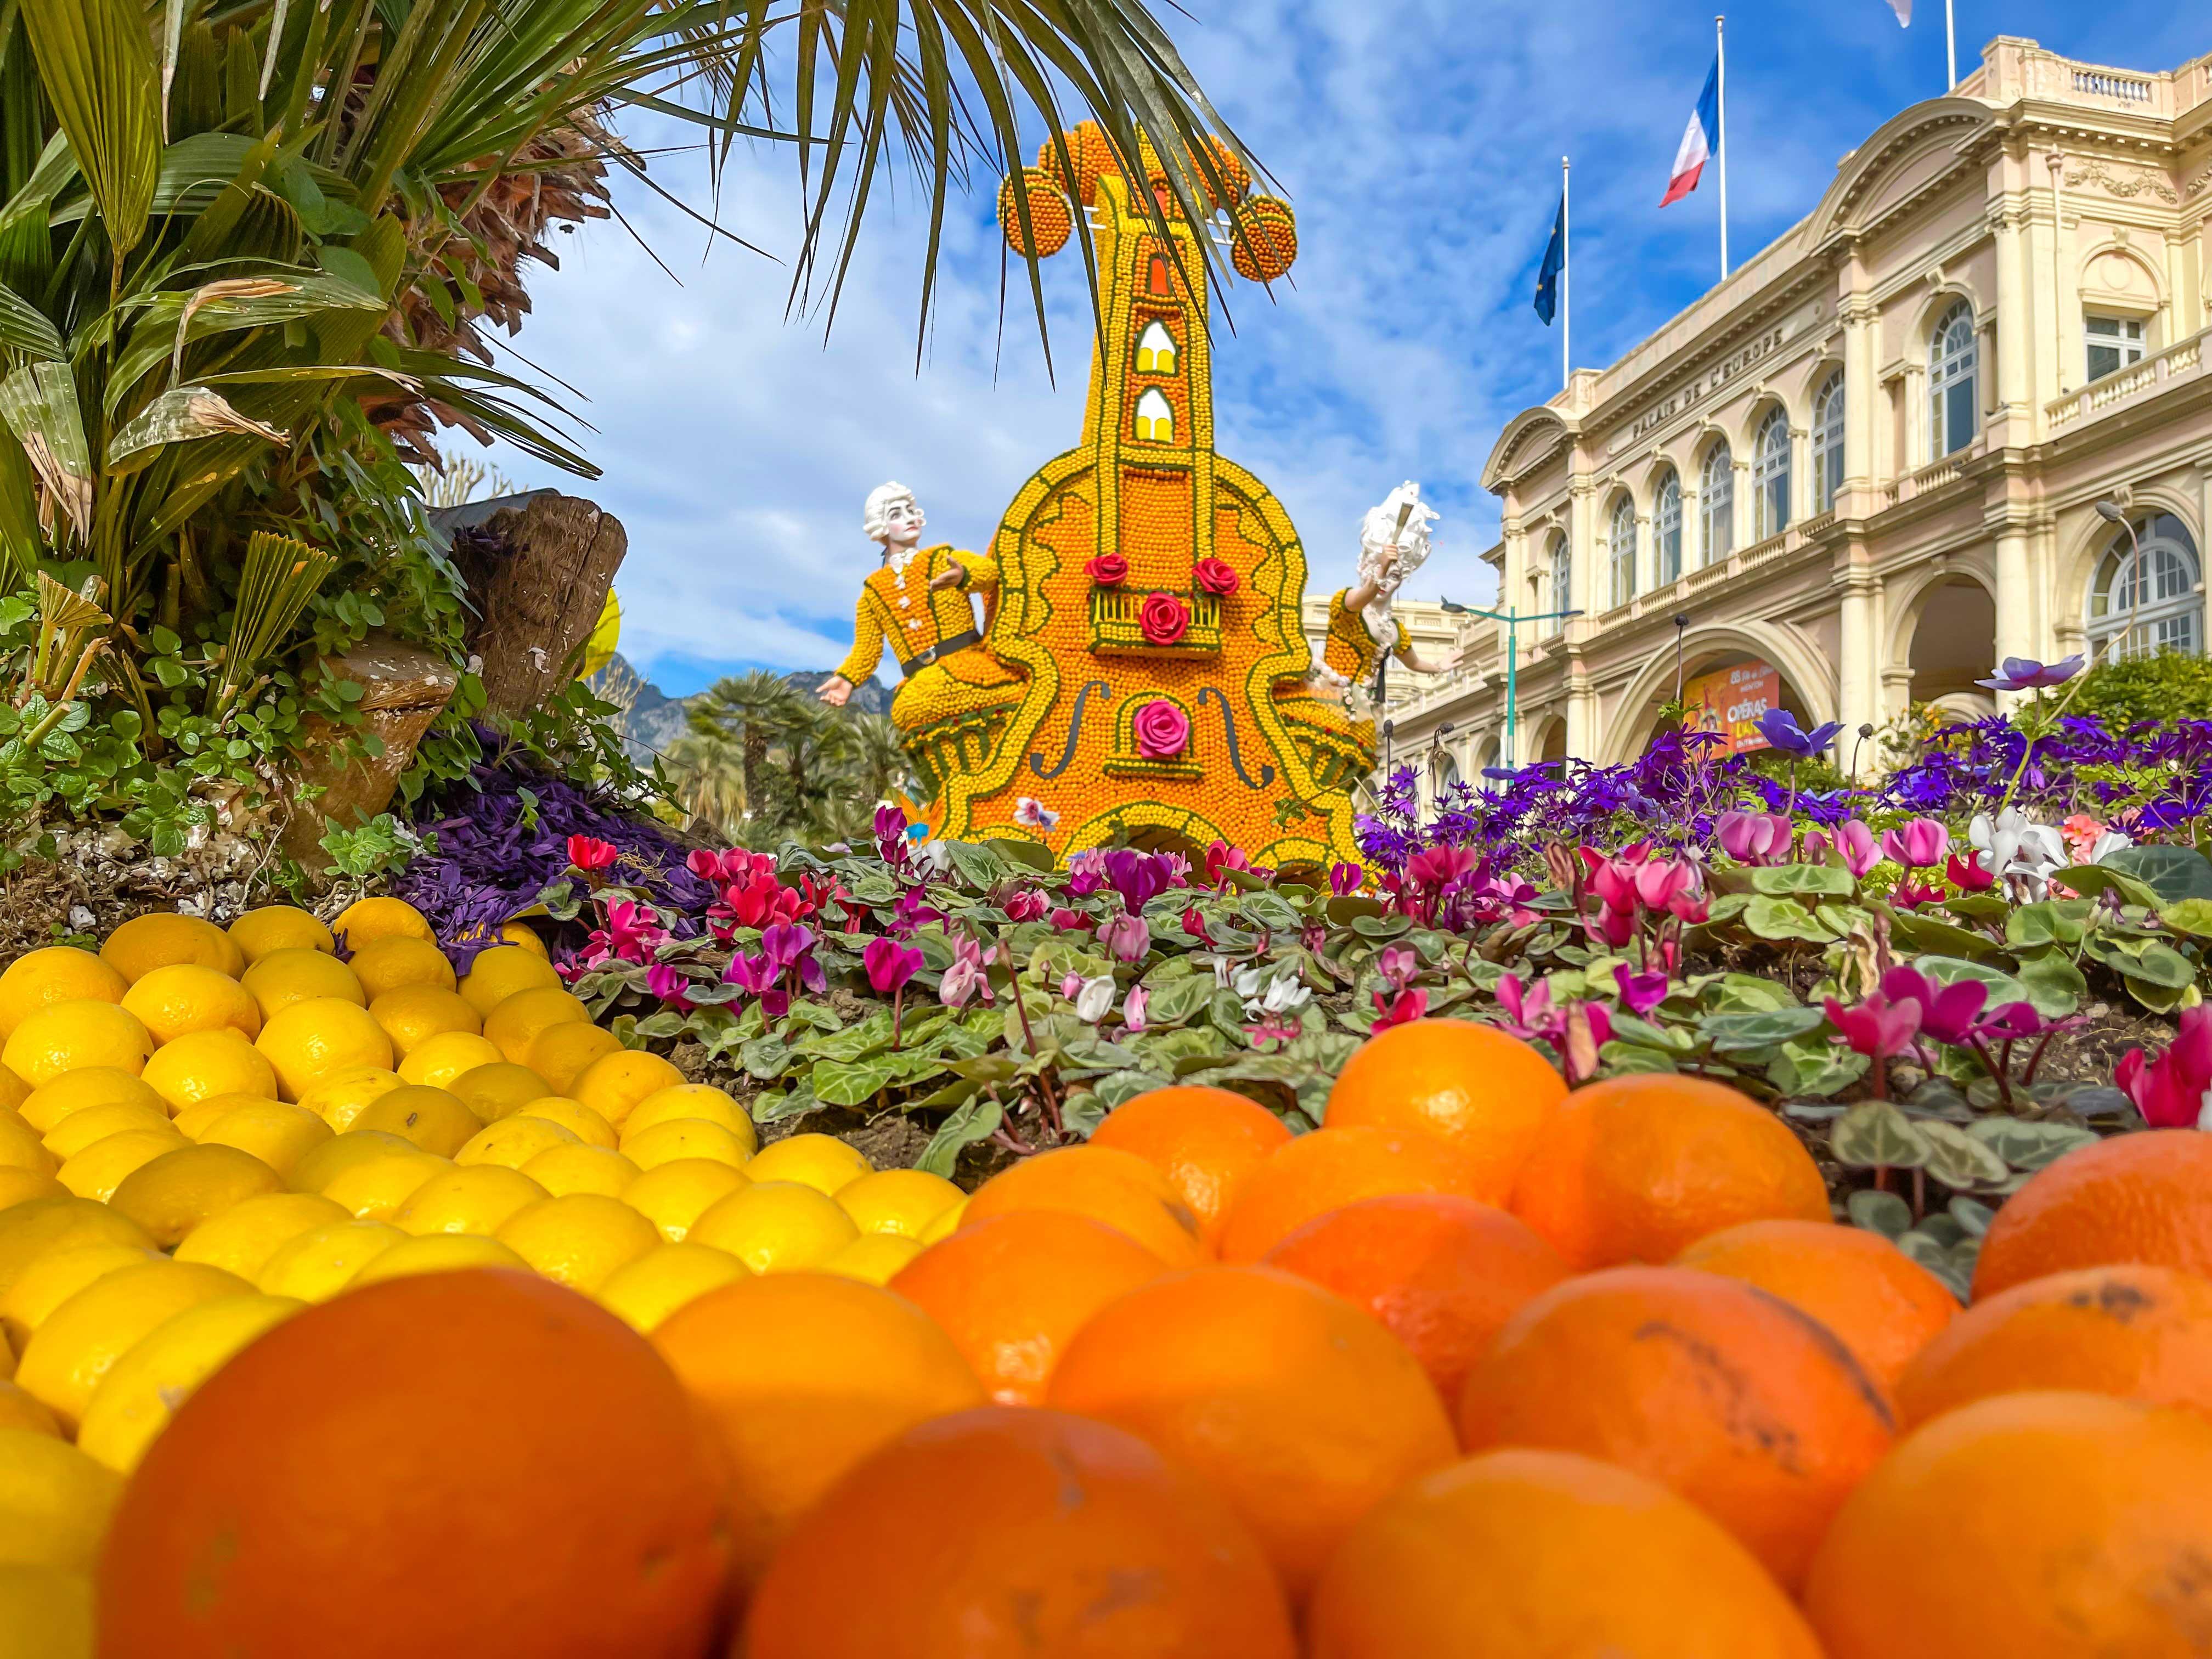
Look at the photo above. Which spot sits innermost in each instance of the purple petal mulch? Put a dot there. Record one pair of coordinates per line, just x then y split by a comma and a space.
493, 859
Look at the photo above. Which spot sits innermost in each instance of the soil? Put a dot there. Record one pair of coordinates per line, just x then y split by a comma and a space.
100, 878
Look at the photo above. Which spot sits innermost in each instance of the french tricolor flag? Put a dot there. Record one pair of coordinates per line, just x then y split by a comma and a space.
1701, 140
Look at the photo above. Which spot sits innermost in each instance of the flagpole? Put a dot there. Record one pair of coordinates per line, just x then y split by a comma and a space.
1951, 42
1567, 283
1720, 47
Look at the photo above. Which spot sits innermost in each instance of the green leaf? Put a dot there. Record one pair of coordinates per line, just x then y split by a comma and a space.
1772, 917
1875, 1135
1950, 970
1737, 1033
2173, 873
96, 68
1747, 992
1959, 1159
1923, 931
1814, 1067
2025, 1145
24, 328
843, 1083
2055, 985
2095, 878
2192, 916
1377, 927
975, 1122
1826, 880
1879, 1212
2050, 922
2150, 960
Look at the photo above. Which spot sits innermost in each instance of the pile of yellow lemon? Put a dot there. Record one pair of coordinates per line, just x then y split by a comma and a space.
202, 1131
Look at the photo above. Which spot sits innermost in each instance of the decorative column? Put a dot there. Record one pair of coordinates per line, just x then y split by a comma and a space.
1739, 504
2015, 333
1582, 552
2015, 601
1858, 676
1861, 401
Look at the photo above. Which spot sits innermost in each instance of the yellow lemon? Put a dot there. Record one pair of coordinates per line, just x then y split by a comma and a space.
698, 1101
81, 1129
613, 1084
874, 1257
499, 1090
284, 977
523, 936
499, 973
29, 1230
60, 973
775, 1226
20, 1147
687, 1138
96, 1085
518, 1023
372, 919
514, 1141
183, 998
263, 933
563, 1051
141, 1390
430, 1118
244, 1236
674, 1194
564, 1169
946, 1224
373, 1189
476, 1199
206, 1064
342, 1096
322, 1261
899, 1201
195, 1121
66, 1036
21, 1410
55, 1276
100, 1168
54, 1502
645, 1291
279, 1135
170, 1195
13, 1091
587, 1125
580, 1239
397, 962
822, 1161
21, 1185
157, 940
340, 1153
312, 1040
74, 1348
413, 1014
437, 1253
45, 1612
442, 1060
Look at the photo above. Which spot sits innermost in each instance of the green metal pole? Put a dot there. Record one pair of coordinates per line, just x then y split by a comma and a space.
1512, 701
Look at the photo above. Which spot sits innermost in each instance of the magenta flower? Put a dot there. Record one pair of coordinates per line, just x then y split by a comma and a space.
1575, 1032
592, 856
1439, 866
1949, 1013
1968, 875
1026, 904
1912, 895
1125, 937
670, 985
1161, 729
1135, 876
1851, 840
1398, 964
1065, 920
1877, 1028
1346, 880
1640, 992
2173, 1091
1920, 844
1755, 837
631, 932
890, 964
966, 978
1410, 1004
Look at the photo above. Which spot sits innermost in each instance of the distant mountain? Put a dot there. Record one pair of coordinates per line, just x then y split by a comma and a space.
655, 720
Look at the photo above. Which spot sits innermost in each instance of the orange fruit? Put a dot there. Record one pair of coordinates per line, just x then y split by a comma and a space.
1013, 1290
1638, 1168
805, 1374
1116, 1187
2144, 1197
1204, 1140
1518, 1554
1488, 1094
1073, 1538
2037, 1526
1443, 1274
339, 1507
1329, 1168
1884, 1306
1295, 1406
174, 1002
1752, 1410
159, 939
2141, 1332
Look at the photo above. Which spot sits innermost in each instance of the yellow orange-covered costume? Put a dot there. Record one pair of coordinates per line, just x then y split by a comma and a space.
930, 631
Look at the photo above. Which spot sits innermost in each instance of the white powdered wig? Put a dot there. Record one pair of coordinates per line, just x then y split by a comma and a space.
875, 517
1379, 533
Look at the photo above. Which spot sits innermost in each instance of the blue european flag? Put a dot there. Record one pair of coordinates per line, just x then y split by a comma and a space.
1555, 259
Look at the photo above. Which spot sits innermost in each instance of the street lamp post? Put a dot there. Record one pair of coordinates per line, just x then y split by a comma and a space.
1512, 617
2113, 513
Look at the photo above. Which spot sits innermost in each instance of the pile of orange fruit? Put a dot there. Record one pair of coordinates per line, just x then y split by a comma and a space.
1480, 1367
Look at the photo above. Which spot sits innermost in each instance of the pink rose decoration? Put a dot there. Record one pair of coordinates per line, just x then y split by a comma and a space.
1163, 617
1215, 576
1108, 569
1162, 731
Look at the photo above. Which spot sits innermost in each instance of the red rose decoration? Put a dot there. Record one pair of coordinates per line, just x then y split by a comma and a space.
1162, 730
1215, 576
1163, 617
1108, 569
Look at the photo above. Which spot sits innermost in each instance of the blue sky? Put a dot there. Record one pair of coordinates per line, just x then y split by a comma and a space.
1420, 142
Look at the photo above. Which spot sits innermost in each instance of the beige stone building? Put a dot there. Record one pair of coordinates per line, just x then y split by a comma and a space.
1870, 463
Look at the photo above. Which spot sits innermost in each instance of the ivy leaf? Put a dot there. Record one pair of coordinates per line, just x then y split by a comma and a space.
1813, 1066
2191, 915
1959, 1159
1875, 1135
847, 1082
1880, 1212
975, 1122
2024, 1145
2173, 873
1737, 1033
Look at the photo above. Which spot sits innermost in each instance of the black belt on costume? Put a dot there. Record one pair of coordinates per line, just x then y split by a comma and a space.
937, 652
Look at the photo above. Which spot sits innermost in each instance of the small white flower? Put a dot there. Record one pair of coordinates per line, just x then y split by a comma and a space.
1033, 814
1096, 997
2110, 843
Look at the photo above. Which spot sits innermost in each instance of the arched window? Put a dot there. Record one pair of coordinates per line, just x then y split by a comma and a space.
1493, 758
1717, 506
1828, 442
2140, 604
1562, 582
1666, 528
1157, 279
1954, 412
1155, 349
1155, 419
1770, 477
1620, 543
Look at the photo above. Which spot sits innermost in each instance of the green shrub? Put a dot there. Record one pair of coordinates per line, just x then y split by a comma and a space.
2165, 687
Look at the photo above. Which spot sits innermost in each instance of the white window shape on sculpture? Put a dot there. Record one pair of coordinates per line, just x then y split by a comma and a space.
1667, 529
1155, 349
1561, 579
1155, 418
1717, 506
1828, 442
1770, 477
2168, 614
1951, 361
1621, 545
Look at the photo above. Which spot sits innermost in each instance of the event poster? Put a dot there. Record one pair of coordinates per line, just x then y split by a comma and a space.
1730, 700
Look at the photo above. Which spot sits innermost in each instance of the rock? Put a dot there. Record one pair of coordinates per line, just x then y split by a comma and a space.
403, 690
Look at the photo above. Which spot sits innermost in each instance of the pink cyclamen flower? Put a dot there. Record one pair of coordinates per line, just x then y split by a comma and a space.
1967, 874
1346, 880
1755, 837
1640, 992
1133, 1009
632, 930
1912, 895
1398, 964
1126, 936
1851, 840
966, 977
592, 856
1877, 1028
1410, 1004
669, 985
1920, 844
890, 964
1440, 866
2173, 1091
1026, 904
